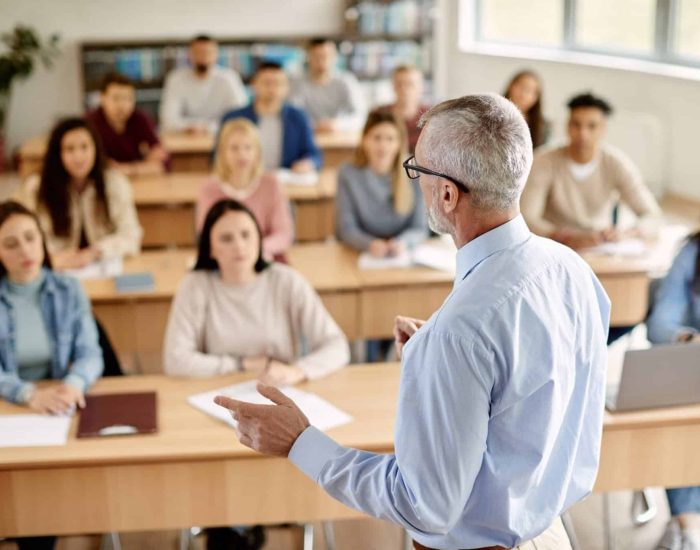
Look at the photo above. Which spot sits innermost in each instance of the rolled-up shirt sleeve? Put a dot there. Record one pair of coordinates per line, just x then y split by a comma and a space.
426, 484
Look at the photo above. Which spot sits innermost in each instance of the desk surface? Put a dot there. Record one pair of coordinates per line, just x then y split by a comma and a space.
180, 143
183, 188
367, 392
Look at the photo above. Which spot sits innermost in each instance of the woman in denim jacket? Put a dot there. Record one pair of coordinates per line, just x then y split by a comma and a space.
46, 326
675, 318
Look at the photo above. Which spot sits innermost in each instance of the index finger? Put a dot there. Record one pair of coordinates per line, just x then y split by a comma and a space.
234, 405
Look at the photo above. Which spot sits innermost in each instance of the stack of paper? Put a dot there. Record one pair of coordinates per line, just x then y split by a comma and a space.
322, 414
33, 430
367, 261
288, 177
103, 269
436, 256
625, 247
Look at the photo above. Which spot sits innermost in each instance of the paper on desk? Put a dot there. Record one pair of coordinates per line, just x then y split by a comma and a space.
33, 430
322, 414
367, 261
103, 269
625, 247
437, 256
288, 177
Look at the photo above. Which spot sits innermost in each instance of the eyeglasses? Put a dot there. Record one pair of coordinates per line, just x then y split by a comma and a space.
413, 171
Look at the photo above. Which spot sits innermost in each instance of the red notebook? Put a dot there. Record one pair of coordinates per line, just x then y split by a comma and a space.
118, 414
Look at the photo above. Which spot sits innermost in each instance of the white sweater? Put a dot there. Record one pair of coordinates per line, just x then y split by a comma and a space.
212, 324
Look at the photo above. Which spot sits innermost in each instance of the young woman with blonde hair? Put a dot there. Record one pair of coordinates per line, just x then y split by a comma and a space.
239, 175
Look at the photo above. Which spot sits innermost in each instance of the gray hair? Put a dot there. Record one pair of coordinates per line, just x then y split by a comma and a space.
482, 141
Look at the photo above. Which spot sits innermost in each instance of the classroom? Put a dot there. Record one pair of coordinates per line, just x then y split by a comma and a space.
349, 274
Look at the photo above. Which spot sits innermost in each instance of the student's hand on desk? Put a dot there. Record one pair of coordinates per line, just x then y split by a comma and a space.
325, 125
280, 374
395, 248
303, 166
55, 399
268, 429
379, 248
578, 239
404, 328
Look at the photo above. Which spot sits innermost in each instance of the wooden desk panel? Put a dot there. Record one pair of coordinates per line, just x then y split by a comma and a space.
166, 203
193, 472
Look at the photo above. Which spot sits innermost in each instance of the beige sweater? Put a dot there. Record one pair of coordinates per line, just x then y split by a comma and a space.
121, 237
554, 200
212, 324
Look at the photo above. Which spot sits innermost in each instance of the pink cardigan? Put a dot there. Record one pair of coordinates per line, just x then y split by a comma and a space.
268, 203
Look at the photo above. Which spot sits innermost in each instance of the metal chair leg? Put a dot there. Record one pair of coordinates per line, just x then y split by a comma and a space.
308, 536
111, 541
648, 508
570, 531
329, 535
607, 524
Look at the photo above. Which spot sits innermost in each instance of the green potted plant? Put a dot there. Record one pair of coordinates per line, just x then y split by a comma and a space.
20, 50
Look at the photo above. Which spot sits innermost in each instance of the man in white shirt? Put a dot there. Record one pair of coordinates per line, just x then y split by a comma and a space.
330, 97
196, 97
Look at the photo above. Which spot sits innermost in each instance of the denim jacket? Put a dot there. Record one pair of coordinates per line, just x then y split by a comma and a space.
677, 306
77, 357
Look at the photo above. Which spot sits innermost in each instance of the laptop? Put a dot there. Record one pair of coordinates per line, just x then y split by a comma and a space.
662, 376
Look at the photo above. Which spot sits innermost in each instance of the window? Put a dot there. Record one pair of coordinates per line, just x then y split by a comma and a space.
621, 25
533, 22
688, 30
657, 30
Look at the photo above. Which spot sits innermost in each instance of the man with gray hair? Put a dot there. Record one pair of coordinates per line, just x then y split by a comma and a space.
501, 403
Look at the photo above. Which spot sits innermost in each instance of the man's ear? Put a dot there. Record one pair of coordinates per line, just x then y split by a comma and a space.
449, 195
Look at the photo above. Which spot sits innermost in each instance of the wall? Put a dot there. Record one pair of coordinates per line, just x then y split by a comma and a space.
49, 94
673, 102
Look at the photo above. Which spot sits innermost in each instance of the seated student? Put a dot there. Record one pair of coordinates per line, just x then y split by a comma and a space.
332, 98
409, 107
675, 318
86, 211
572, 191
196, 97
238, 174
285, 133
127, 133
46, 326
525, 91
377, 207
237, 312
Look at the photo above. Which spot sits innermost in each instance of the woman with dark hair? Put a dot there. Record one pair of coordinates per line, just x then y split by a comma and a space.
525, 91
378, 209
85, 210
675, 318
238, 312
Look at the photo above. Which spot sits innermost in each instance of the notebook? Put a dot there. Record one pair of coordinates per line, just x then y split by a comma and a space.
134, 282
118, 414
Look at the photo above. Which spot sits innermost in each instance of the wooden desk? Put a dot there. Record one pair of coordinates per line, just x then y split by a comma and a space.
191, 152
193, 472
166, 204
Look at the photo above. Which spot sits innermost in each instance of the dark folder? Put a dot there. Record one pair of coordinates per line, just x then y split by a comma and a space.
118, 414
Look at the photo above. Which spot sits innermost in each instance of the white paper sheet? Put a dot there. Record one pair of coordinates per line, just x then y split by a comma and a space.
367, 261
322, 414
625, 247
288, 177
104, 269
33, 430
436, 256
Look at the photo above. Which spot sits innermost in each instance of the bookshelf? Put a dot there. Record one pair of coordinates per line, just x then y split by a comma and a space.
378, 35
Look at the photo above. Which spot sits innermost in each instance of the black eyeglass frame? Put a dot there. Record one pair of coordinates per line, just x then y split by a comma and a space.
417, 168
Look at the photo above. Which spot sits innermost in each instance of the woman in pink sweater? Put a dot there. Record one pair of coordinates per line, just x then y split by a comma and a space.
238, 174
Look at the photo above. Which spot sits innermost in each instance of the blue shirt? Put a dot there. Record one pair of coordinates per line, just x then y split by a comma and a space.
297, 136
500, 408
77, 356
677, 304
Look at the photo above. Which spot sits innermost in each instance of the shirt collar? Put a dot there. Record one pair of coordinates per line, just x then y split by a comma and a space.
504, 236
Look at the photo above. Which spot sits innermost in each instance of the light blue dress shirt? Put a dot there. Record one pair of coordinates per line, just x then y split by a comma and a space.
500, 409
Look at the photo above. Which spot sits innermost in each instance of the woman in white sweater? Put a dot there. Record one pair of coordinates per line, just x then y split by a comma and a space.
237, 312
